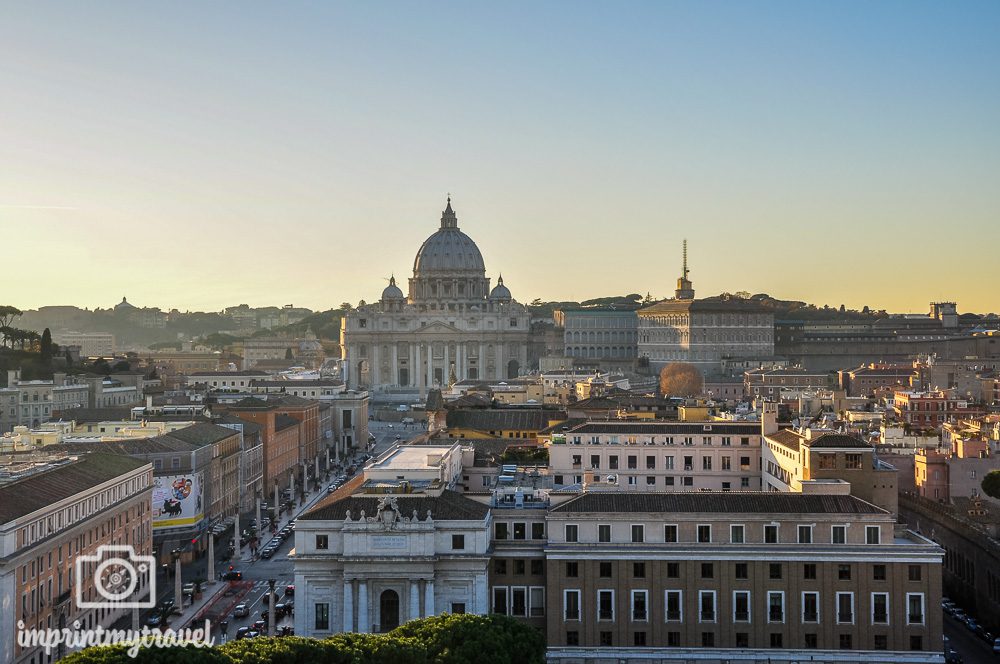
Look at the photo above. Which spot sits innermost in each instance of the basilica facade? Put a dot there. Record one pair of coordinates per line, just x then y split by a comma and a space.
449, 326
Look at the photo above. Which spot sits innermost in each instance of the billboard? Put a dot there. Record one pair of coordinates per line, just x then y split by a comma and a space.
177, 500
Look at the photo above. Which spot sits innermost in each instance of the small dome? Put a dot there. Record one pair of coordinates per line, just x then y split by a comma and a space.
392, 291
124, 305
500, 292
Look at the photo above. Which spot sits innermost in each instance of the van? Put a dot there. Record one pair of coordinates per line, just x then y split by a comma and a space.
402, 408
407, 420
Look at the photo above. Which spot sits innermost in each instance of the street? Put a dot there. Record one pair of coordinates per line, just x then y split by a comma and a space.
972, 649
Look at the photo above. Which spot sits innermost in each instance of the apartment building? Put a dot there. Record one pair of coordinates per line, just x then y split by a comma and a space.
768, 383
658, 456
931, 410
51, 518
634, 577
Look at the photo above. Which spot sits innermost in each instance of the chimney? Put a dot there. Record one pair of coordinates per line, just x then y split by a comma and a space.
588, 478
58, 379
13, 376
769, 419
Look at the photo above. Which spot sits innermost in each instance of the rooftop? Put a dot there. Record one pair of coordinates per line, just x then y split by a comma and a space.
450, 505
22, 497
412, 457
731, 502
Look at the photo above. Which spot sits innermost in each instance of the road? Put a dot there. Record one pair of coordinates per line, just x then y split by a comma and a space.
972, 649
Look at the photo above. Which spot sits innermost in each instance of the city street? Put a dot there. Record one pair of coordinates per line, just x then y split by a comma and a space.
972, 649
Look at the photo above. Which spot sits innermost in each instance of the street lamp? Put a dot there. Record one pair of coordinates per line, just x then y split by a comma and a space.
175, 555
272, 629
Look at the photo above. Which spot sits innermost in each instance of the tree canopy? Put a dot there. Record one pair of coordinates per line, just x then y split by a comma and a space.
991, 484
680, 379
443, 639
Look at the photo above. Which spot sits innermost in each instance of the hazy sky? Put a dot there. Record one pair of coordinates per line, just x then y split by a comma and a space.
200, 155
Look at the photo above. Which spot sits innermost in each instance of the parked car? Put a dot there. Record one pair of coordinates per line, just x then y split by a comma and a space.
242, 632
155, 620
996, 646
952, 657
241, 610
260, 625
333, 487
233, 575
187, 589
290, 589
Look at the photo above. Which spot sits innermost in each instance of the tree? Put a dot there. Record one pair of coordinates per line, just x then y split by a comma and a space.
680, 379
288, 354
8, 314
991, 484
46, 344
122, 365
346, 306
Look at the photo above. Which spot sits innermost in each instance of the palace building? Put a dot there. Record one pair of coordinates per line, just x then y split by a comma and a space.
450, 326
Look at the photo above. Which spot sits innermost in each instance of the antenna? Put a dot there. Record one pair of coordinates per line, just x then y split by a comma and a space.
685, 272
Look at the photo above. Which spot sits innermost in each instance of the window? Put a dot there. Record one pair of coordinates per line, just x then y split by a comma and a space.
606, 605
812, 641
736, 534
916, 642
844, 572
537, 567
572, 569
499, 566
707, 570
458, 607
880, 608
914, 608
810, 607
572, 637
633, 462
519, 601
669, 462
638, 533
650, 480
775, 606
572, 532
500, 600
809, 571
673, 570
536, 601
741, 606
852, 461
878, 572
845, 642
639, 570
872, 534
605, 569
706, 606
687, 481
520, 530
458, 542
774, 570
500, 530
639, 638
322, 542
706, 463
538, 531
571, 605
650, 462
914, 572
670, 533
845, 608
742, 571
604, 533
639, 604
838, 534
880, 642
322, 616
606, 639
771, 533
674, 606
613, 462
704, 533
519, 567
776, 640
708, 639
742, 639
805, 534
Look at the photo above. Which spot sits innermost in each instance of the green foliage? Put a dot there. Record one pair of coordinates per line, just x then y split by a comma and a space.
163, 345
991, 484
219, 340
46, 346
471, 639
525, 455
8, 314
444, 639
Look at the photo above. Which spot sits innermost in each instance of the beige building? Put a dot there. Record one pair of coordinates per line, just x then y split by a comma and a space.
450, 325
92, 344
737, 577
51, 519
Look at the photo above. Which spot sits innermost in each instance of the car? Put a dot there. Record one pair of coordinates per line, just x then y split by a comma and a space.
241, 610
286, 532
165, 606
233, 575
971, 624
996, 646
290, 589
263, 598
402, 408
242, 632
333, 487
259, 625
952, 657
155, 620
187, 589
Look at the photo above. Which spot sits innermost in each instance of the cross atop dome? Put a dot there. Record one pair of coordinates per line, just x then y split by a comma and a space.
448, 218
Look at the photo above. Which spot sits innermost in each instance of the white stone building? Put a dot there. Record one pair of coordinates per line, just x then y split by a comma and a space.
450, 324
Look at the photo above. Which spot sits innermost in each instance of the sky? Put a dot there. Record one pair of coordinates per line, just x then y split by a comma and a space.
203, 155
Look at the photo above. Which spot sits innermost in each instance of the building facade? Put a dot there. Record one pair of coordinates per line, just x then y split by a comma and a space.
450, 325
598, 335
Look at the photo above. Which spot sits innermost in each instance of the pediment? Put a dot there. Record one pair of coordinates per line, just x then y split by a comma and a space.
437, 327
